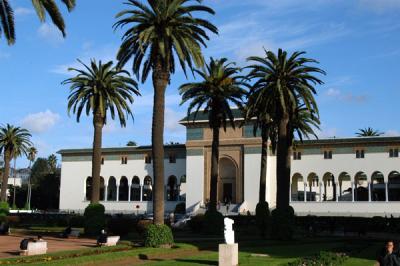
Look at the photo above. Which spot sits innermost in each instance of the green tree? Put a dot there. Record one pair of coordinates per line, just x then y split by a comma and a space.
221, 87
52, 161
14, 141
131, 143
288, 83
99, 89
160, 33
31, 157
368, 132
42, 7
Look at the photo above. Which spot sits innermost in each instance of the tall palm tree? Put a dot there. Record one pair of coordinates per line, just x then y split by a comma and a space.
289, 83
159, 33
221, 86
14, 141
98, 89
41, 7
32, 152
52, 160
368, 132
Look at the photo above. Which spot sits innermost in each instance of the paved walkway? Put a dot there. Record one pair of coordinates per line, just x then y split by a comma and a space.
9, 245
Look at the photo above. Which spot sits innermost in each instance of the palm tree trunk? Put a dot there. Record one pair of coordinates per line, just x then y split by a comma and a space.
263, 170
283, 165
4, 184
98, 123
160, 82
214, 169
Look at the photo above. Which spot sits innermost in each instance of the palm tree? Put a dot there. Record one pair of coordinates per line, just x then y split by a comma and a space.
52, 161
14, 141
41, 7
159, 33
32, 152
99, 89
221, 86
368, 132
288, 83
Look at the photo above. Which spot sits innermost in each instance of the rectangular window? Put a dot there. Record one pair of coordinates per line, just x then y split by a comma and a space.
102, 160
360, 154
124, 160
327, 154
147, 159
296, 155
172, 158
394, 153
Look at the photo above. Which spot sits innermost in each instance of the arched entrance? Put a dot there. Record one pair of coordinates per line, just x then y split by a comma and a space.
227, 180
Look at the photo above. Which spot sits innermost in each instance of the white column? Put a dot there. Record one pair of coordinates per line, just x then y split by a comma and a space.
290, 192
352, 191
305, 191
105, 193
129, 192
117, 193
386, 191
369, 192
320, 191
141, 193
337, 194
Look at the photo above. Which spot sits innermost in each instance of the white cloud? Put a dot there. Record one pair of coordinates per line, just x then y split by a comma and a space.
105, 53
333, 92
391, 133
40, 122
172, 121
50, 33
380, 5
346, 97
23, 11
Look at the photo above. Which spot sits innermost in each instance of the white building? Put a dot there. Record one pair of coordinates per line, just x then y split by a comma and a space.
351, 176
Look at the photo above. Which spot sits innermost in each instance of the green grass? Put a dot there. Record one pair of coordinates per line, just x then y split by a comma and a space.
205, 253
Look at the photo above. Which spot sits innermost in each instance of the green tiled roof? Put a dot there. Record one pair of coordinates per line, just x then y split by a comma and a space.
351, 141
202, 116
127, 149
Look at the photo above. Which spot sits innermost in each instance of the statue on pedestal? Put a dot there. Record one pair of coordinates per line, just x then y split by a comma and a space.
228, 231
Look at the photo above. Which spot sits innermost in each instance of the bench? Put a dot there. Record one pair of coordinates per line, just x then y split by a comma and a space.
111, 241
74, 233
35, 248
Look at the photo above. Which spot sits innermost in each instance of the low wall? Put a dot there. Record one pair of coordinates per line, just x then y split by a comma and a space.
356, 209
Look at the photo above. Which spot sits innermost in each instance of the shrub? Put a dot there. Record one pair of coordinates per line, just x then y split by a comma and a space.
94, 219
196, 223
262, 217
158, 236
283, 223
77, 221
4, 210
323, 258
213, 223
142, 225
180, 208
121, 225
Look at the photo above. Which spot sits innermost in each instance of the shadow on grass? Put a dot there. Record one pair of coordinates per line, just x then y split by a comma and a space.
198, 261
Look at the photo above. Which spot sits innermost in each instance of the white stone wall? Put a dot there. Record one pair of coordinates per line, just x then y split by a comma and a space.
194, 181
74, 174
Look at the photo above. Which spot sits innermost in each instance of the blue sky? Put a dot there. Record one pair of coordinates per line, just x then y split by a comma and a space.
356, 42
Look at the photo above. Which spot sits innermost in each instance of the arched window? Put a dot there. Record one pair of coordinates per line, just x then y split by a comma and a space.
183, 179
88, 185
172, 188
147, 189
112, 189
123, 189
135, 189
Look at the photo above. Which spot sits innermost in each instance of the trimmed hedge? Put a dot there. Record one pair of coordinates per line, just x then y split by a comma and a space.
4, 210
323, 258
213, 223
95, 219
283, 223
121, 225
262, 217
158, 236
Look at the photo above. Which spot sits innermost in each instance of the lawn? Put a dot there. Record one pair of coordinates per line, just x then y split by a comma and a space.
259, 252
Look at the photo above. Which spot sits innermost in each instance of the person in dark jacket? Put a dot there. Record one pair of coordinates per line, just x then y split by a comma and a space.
388, 256
102, 239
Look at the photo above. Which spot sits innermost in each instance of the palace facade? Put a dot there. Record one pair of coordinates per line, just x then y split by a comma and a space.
339, 176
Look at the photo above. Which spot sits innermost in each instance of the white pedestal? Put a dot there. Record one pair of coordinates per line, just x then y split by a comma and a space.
228, 254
